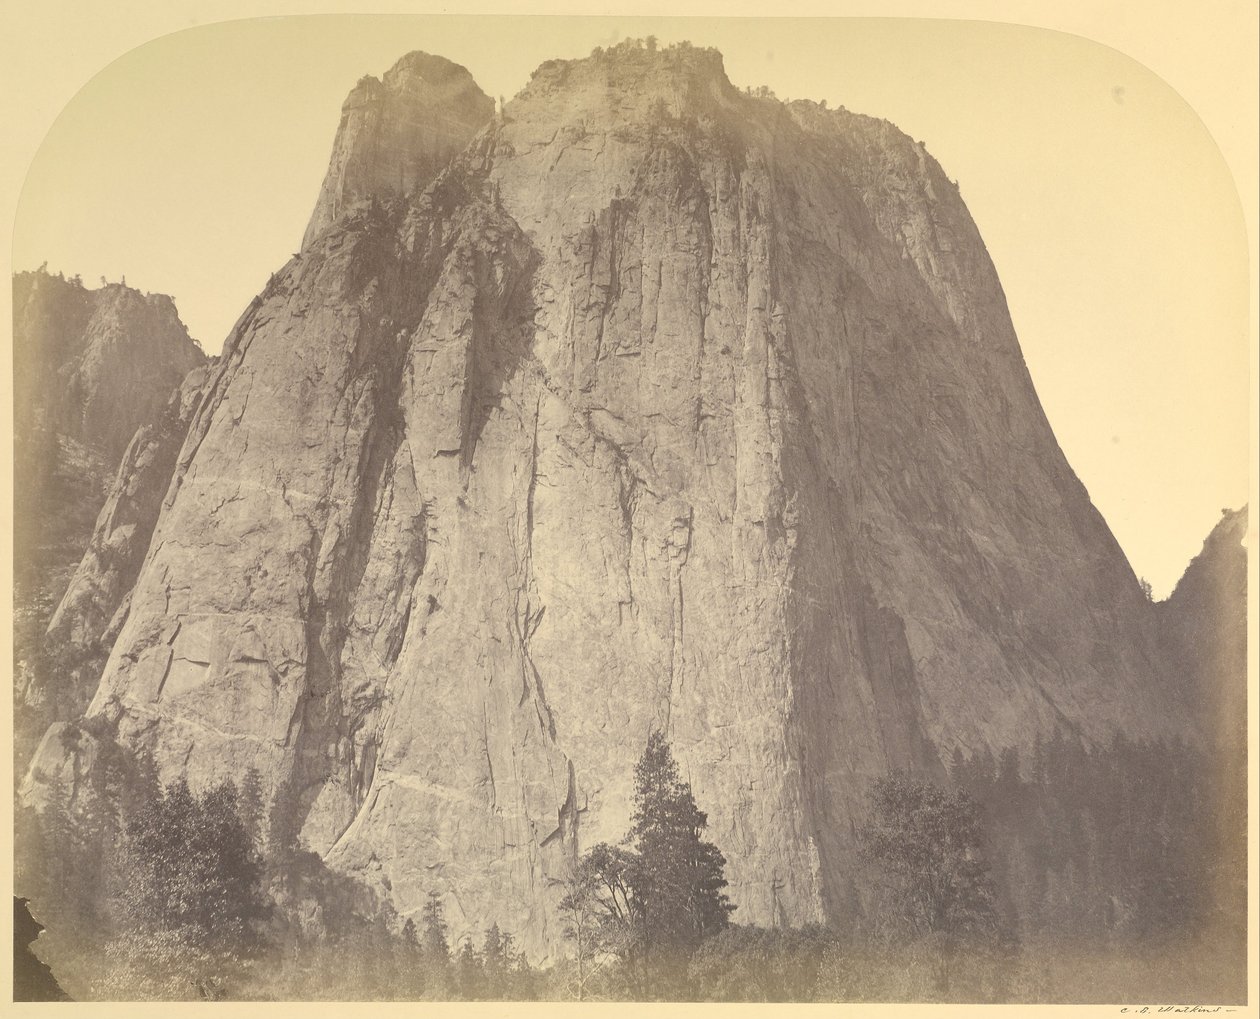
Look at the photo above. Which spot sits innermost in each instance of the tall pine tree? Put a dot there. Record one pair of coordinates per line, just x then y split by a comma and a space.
679, 878
435, 950
661, 898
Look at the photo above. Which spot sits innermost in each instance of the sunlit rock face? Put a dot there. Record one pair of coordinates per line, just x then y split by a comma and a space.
653, 404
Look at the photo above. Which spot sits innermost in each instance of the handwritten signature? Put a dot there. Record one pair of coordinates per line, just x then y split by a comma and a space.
1170, 1009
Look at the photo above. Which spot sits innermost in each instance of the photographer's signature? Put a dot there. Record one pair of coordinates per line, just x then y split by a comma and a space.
1173, 1009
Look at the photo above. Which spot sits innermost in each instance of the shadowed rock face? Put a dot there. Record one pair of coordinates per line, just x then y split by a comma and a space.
662, 406
1204, 631
1204, 626
94, 365
90, 368
32, 979
94, 604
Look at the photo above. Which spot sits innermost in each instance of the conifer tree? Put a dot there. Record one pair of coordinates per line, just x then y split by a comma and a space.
433, 942
658, 900
435, 951
468, 972
679, 876
410, 961
250, 806
494, 960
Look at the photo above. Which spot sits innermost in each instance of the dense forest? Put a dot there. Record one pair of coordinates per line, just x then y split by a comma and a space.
1068, 873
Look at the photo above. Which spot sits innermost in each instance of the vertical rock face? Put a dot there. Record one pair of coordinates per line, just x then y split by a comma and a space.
662, 406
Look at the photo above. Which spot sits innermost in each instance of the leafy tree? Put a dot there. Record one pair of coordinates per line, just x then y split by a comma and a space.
149, 964
620, 931
614, 875
192, 869
931, 845
188, 900
581, 916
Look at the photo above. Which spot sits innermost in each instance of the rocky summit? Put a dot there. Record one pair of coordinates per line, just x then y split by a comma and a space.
643, 403
92, 366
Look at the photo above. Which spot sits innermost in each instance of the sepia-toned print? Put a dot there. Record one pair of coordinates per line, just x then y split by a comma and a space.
619, 552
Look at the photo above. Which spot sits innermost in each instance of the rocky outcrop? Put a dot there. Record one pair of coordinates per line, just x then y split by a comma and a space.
90, 367
397, 133
1204, 628
94, 365
662, 406
32, 979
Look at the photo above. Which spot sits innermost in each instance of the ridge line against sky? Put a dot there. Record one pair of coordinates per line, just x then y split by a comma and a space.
1155, 503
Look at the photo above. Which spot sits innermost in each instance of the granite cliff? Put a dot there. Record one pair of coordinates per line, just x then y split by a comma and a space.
643, 403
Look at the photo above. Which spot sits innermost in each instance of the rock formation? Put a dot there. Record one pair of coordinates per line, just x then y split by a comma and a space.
396, 135
90, 367
1204, 625
32, 979
94, 365
654, 404
1204, 628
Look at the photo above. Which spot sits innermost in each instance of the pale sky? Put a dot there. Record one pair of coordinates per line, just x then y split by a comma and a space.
192, 163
